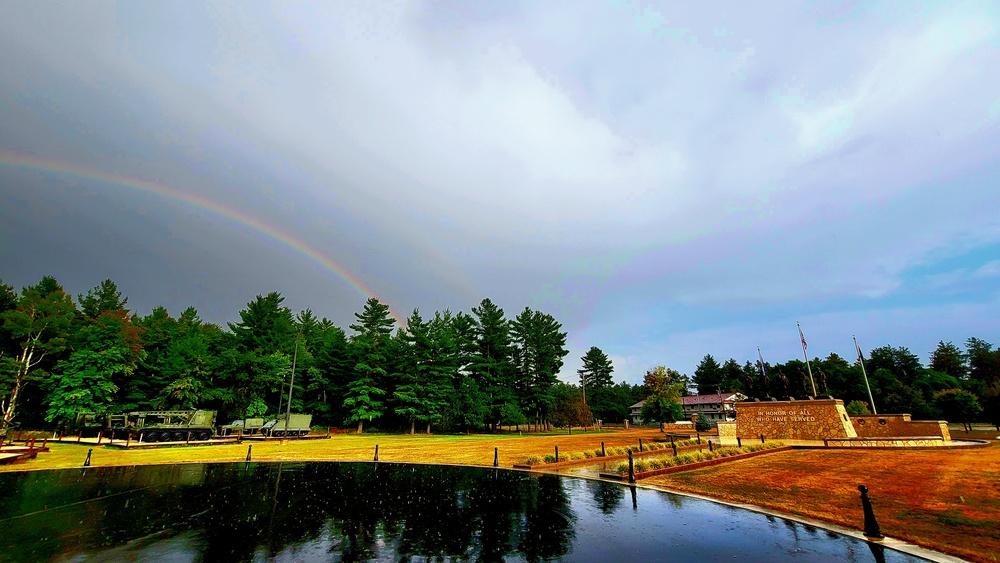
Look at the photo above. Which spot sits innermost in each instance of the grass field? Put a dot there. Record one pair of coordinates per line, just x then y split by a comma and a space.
946, 499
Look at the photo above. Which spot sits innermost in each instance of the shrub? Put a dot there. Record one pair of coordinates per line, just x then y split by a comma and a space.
622, 468
654, 463
598, 453
532, 460
588, 454
575, 455
550, 458
639, 465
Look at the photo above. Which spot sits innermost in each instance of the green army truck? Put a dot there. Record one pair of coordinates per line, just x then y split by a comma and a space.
168, 426
246, 427
298, 425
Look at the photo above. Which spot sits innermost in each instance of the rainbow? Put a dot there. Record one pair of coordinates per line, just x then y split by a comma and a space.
29, 162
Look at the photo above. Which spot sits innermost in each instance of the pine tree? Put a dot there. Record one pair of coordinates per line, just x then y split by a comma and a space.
374, 325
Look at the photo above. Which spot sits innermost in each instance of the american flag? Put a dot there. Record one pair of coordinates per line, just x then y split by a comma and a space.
763, 370
803, 338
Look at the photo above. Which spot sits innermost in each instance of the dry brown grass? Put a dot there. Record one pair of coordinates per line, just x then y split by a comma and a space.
943, 499
947, 500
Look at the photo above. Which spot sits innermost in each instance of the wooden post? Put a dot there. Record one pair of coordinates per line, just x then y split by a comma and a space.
699, 436
86, 462
739, 442
631, 468
671, 439
496, 457
79, 435
128, 439
761, 438
99, 435
710, 446
557, 454
640, 444
602, 449
249, 450
45, 441
674, 446
376, 452
60, 435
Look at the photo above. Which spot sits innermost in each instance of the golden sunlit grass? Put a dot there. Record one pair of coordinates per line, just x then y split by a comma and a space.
946, 499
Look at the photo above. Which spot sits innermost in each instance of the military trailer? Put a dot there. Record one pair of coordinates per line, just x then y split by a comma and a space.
167, 426
298, 425
246, 427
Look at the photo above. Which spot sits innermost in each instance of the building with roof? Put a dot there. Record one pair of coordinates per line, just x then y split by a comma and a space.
714, 407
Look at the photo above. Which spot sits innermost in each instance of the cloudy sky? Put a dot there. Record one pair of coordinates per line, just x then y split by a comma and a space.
666, 179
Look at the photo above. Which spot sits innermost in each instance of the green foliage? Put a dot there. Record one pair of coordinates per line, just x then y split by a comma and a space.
256, 408
857, 408
104, 297
958, 405
702, 424
947, 358
596, 370
663, 402
86, 381
708, 376
39, 323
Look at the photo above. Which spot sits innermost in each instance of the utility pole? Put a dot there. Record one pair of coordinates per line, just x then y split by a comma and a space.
288, 413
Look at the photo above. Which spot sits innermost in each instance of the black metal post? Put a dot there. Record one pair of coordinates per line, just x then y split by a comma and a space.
674, 446
640, 444
710, 446
872, 529
698, 434
496, 457
376, 452
631, 468
557, 454
86, 462
761, 438
739, 442
602, 449
249, 450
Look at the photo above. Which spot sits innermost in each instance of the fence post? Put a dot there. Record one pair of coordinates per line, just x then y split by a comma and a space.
86, 462
761, 438
602, 449
99, 436
710, 446
699, 437
631, 468
640, 444
249, 451
496, 457
872, 529
128, 439
79, 435
557, 454
739, 442
674, 446
376, 452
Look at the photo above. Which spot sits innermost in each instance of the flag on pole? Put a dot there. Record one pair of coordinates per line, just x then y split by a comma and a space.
861, 357
763, 371
802, 337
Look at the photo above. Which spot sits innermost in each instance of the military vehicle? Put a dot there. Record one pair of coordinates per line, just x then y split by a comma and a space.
247, 427
87, 423
167, 426
298, 425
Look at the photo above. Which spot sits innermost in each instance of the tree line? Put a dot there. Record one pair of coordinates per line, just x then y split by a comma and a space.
454, 371
958, 385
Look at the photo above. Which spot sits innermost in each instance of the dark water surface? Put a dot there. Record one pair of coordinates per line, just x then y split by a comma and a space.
363, 511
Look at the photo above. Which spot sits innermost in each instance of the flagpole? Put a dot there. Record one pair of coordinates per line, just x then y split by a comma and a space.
861, 360
806, 356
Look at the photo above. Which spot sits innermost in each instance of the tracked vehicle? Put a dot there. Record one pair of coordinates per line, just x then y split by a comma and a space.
167, 426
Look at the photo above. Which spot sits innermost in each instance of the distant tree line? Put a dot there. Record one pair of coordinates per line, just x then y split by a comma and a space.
958, 385
451, 371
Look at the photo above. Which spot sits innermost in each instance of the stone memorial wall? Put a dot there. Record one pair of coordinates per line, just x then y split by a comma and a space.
898, 425
794, 420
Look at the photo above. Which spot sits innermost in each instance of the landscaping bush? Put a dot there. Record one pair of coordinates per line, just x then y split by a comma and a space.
598, 453
531, 460
550, 458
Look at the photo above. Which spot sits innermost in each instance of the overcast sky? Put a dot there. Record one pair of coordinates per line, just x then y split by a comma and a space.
666, 179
